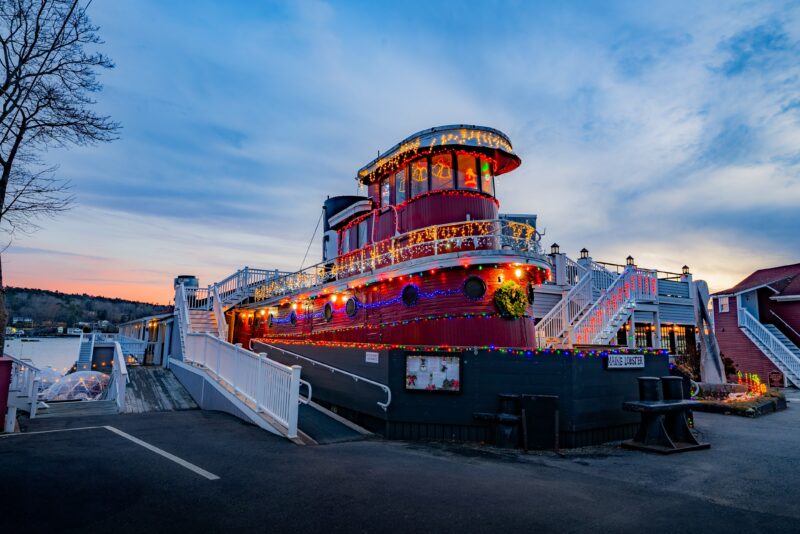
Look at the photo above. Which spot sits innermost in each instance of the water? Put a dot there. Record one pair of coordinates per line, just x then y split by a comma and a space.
60, 353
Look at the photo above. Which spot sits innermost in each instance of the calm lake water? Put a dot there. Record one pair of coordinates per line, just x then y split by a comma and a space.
59, 353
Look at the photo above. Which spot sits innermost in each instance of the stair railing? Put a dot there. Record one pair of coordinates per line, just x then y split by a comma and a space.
630, 286
182, 314
787, 325
775, 348
219, 314
551, 329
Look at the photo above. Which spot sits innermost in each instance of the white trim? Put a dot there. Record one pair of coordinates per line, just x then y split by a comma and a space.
785, 298
350, 211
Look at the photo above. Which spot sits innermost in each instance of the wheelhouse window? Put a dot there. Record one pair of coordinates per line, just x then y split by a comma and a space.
363, 236
344, 245
442, 171
400, 186
419, 177
487, 178
467, 172
386, 191
374, 191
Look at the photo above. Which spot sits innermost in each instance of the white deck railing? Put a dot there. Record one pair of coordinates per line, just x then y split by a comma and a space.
271, 387
631, 286
219, 313
776, 349
25, 379
491, 234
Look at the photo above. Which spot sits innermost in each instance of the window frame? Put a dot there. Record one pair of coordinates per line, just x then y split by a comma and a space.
476, 163
723, 304
404, 170
453, 173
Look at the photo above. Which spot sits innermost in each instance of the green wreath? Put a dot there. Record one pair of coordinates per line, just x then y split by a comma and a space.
510, 300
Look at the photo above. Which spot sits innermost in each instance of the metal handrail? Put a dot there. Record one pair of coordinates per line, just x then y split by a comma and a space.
785, 323
773, 344
384, 387
25, 378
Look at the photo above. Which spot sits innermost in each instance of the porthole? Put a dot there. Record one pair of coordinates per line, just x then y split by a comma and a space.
474, 288
293, 318
328, 312
351, 307
410, 295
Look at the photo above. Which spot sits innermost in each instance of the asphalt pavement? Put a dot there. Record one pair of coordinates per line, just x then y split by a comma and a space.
197, 471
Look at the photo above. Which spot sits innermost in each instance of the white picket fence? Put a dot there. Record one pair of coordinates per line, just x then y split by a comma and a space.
273, 388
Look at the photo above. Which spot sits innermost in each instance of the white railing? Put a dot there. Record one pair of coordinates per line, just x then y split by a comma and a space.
551, 329
356, 378
219, 314
25, 379
197, 298
119, 378
492, 235
574, 271
597, 326
603, 278
272, 387
182, 316
775, 348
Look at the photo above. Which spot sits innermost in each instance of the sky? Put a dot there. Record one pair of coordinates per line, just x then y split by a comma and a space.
665, 130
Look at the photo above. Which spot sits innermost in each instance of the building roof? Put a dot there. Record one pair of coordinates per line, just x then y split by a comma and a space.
784, 279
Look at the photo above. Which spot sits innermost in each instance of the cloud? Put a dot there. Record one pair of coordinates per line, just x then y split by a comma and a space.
640, 126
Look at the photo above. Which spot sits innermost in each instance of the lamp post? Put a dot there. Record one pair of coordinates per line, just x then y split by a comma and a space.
629, 261
555, 249
584, 253
685, 270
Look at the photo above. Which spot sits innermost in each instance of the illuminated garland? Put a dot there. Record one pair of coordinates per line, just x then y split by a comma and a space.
422, 319
519, 351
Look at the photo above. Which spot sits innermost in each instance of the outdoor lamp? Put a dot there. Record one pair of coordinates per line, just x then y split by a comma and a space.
685, 270
584, 253
629, 260
554, 248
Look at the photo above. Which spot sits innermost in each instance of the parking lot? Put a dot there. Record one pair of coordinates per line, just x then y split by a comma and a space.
208, 471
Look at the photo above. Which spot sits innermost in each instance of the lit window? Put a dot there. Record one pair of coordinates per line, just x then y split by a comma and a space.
487, 179
374, 191
442, 171
724, 305
386, 192
362, 233
419, 177
400, 186
467, 172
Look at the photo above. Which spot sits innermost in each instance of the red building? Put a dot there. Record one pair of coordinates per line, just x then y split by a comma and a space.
757, 323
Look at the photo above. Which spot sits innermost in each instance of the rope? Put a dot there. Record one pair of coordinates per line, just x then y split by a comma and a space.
312, 240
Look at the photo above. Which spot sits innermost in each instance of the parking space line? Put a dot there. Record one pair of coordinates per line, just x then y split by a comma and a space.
49, 431
180, 461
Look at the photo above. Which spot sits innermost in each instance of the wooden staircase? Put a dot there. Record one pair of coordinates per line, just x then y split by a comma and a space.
201, 321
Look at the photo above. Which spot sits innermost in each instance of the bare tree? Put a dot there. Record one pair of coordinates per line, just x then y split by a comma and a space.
48, 72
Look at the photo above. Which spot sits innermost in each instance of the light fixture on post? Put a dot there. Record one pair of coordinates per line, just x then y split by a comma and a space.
554, 249
629, 261
584, 253
685, 270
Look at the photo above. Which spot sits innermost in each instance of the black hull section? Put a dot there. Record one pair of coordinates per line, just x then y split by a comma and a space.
590, 395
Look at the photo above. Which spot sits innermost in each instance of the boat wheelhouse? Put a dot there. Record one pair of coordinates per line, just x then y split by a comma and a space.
425, 246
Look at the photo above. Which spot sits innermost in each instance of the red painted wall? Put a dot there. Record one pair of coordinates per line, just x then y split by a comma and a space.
789, 311
735, 345
365, 326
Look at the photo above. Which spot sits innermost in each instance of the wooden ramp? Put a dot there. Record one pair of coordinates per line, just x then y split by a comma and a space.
155, 389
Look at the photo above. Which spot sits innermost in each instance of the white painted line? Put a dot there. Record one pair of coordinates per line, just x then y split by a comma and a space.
180, 461
49, 431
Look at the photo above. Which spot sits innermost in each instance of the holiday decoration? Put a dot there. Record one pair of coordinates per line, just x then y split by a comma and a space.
510, 300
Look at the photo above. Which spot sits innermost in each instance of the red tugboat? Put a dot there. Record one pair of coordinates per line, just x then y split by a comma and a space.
422, 260
419, 318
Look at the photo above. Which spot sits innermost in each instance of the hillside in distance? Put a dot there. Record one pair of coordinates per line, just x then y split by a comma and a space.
53, 308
